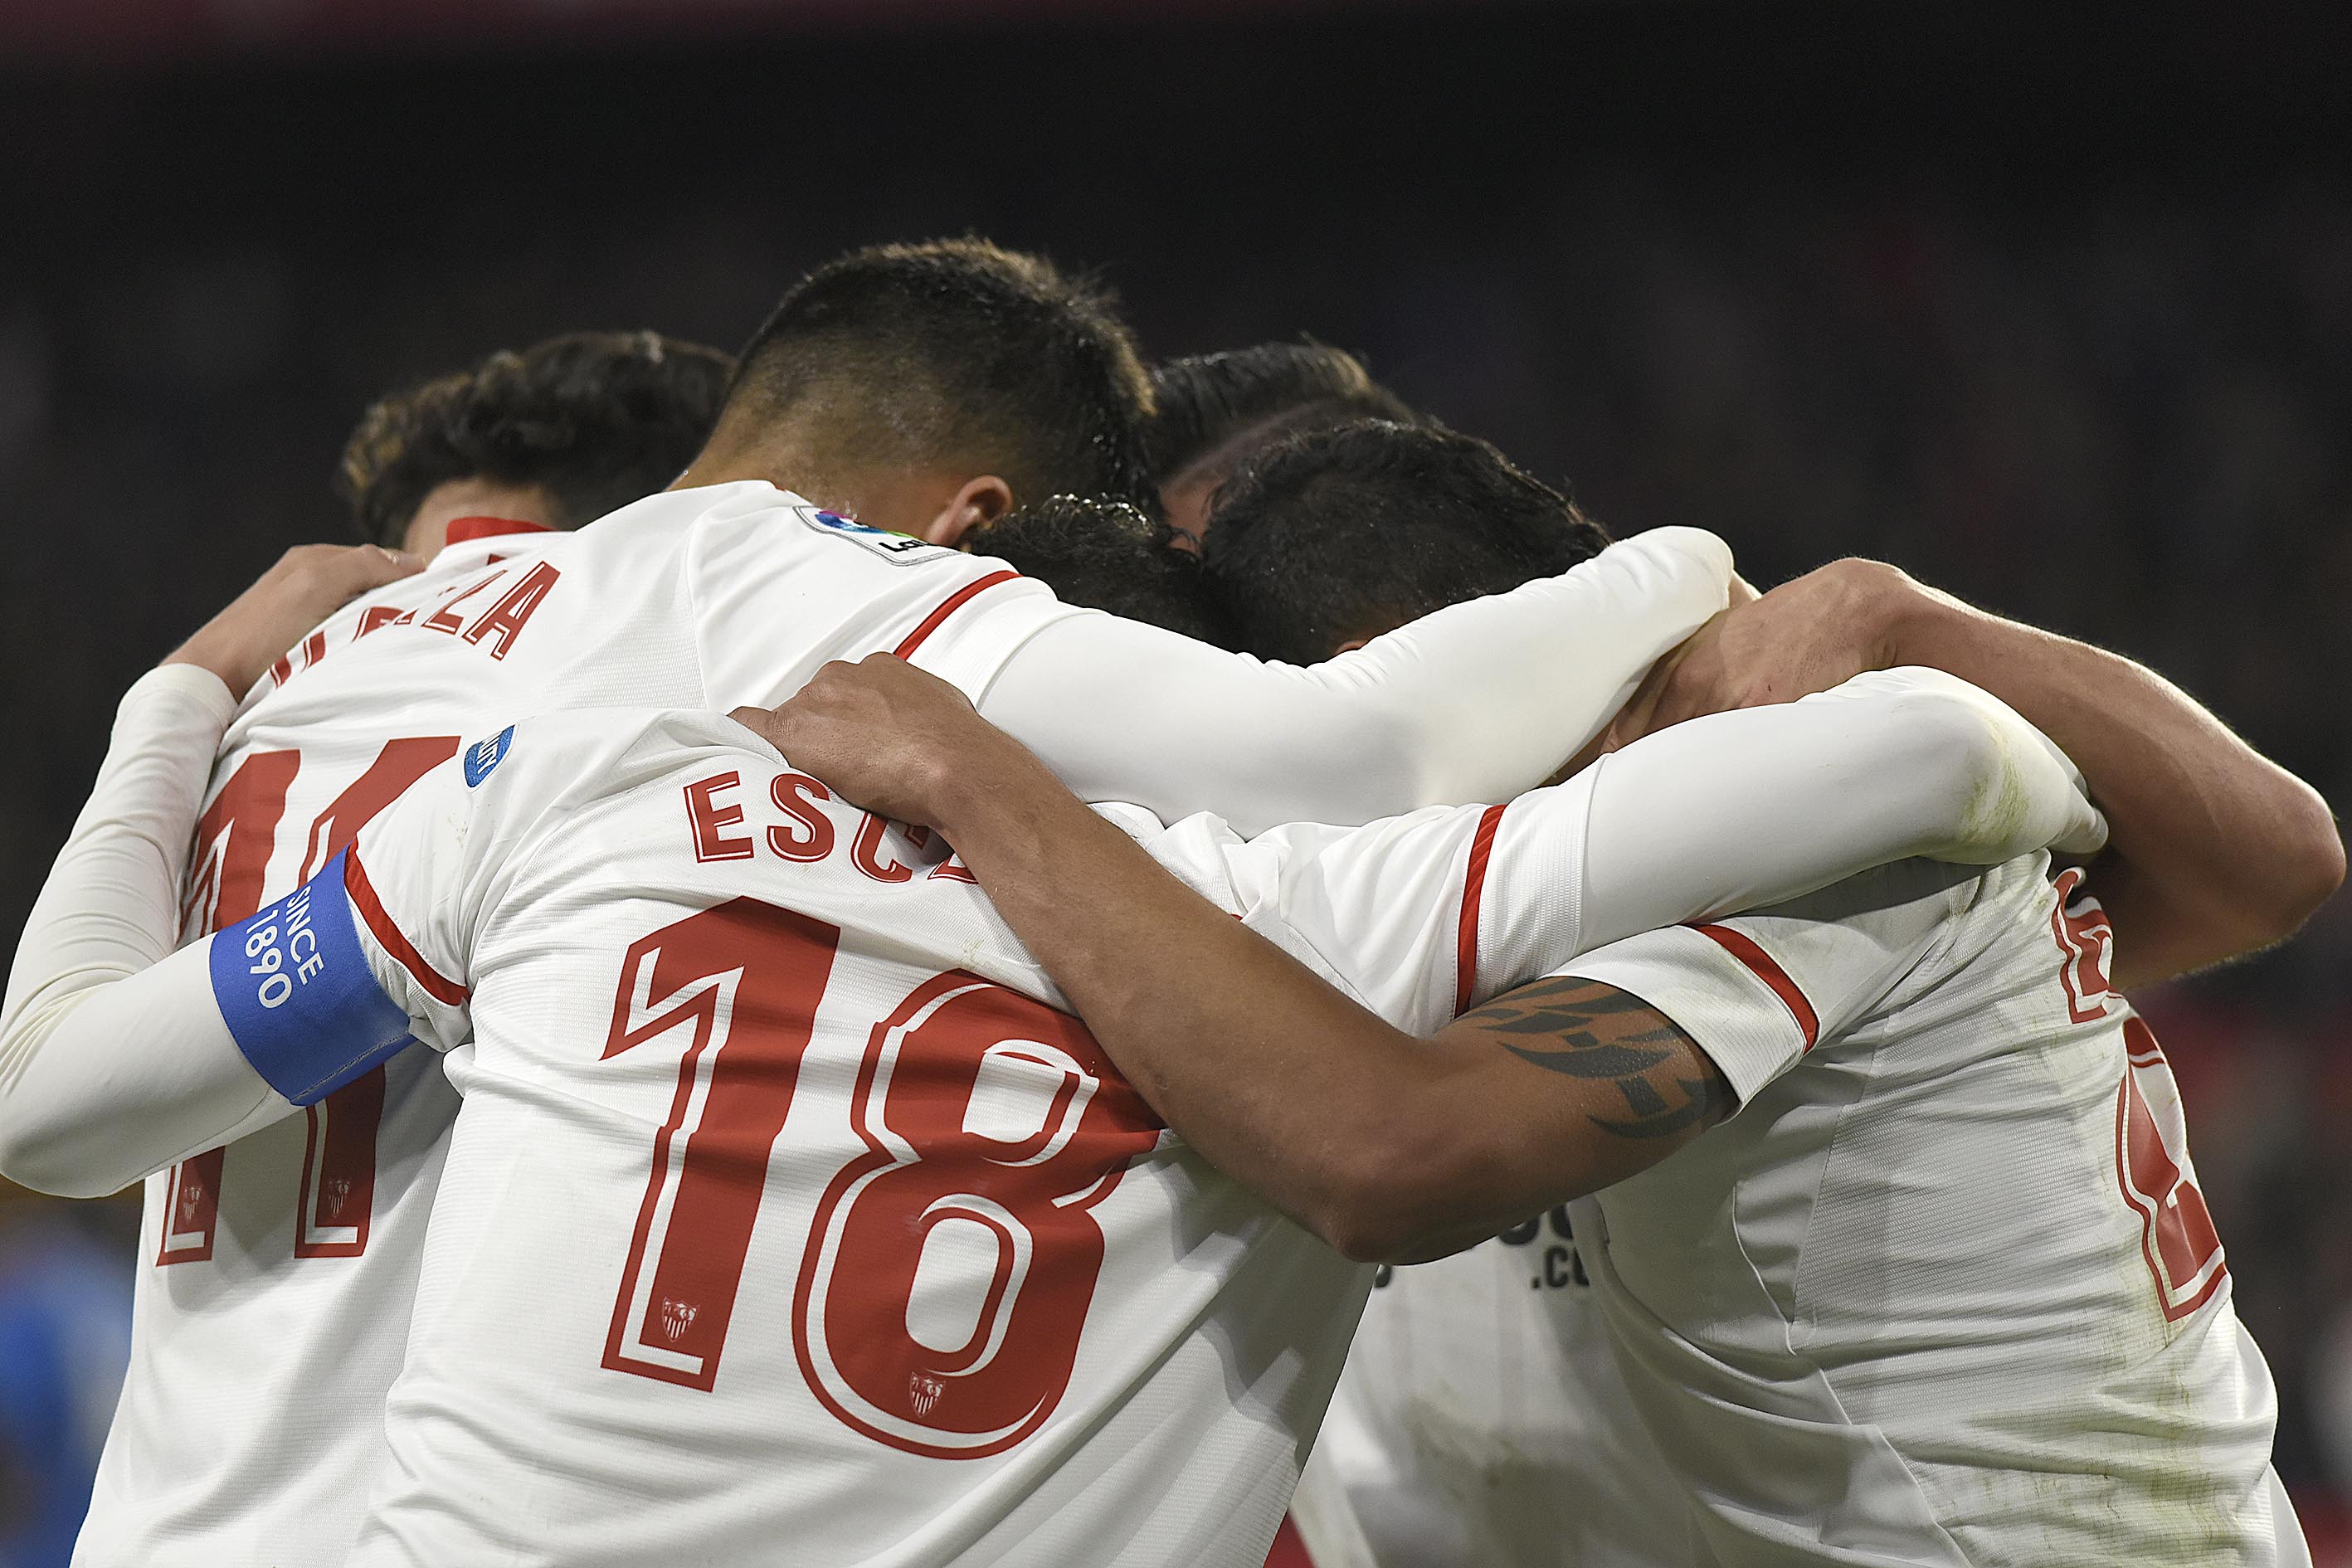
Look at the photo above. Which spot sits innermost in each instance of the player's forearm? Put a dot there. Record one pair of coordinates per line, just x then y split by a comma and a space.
115, 1083
1276, 1078
1762, 805
110, 1066
1476, 702
2214, 850
216, 1041
110, 905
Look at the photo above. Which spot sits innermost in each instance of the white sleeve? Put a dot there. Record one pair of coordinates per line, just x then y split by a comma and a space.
117, 1056
101, 1079
420, 875
777, 589
1740, 810
1475, 702
279, 1010
1759, 991
1426, 915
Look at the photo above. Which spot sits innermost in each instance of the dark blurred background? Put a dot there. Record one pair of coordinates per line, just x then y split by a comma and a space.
2052, 307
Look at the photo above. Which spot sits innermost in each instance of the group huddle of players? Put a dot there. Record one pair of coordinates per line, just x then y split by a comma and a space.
865, 955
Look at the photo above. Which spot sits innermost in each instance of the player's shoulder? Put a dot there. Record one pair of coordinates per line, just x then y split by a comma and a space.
716, 522
565, 760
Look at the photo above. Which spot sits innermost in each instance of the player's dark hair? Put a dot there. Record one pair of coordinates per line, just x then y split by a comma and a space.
1216, 409
1338, 535
956, 354
595, 420
1106, 555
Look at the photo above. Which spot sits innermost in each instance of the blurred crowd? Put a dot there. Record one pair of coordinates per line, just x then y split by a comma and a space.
2117, 405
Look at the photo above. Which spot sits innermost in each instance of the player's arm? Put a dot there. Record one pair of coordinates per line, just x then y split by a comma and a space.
1476, 702
93, 1082
1648, 1042
2215, 850
1316, 1101
275, 1012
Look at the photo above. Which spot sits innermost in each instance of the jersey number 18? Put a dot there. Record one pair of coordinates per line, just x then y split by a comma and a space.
991, 1125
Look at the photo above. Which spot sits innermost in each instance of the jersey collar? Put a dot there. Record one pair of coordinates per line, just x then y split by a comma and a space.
464, 528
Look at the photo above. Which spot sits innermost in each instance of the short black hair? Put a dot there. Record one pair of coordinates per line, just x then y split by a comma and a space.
1105, 554
595, 420
1219, 408
1338, 535
956, 353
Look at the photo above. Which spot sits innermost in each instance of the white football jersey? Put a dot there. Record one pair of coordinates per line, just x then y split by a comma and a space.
784, 1213
1481, 1419
272, 1305
1945, 1289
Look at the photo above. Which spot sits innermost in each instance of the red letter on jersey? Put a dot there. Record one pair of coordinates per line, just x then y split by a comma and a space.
866, 850
797, 795
506, 618
708, 819
224, 878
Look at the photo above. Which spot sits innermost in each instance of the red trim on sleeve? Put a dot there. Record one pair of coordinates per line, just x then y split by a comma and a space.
388, 936
954, 603
1474, 888
465, 528
1759, 963
1289, 1548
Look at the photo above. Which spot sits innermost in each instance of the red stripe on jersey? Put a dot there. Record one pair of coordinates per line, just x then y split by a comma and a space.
954, 602
388, 936
465, 528
1289, 1550
1474, 888
1759, 963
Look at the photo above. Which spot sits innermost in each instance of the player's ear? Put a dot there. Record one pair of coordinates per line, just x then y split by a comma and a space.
1351, 645
980, 500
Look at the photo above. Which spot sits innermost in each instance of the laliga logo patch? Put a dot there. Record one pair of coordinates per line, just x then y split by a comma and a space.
484, 755
835, 521
881, 542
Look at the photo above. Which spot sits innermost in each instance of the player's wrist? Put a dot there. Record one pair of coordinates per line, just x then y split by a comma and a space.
238, 668
993, 792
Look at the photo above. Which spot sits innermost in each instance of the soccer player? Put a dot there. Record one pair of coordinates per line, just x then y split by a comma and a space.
1475, 1392
556, 435
826, 1194
1212, 412
927, 387
1481, 1418
1942, 1291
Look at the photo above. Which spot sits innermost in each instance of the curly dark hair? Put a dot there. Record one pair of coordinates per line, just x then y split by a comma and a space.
594, 419
957, 355
1106, 555
1334, 536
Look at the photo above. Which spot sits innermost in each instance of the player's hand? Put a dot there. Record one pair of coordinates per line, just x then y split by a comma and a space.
1809, 635
891, 739
309, 582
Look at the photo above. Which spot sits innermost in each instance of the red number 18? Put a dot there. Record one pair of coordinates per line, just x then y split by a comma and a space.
992, 1124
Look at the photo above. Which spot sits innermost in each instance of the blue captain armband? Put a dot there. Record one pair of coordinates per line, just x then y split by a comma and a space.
294, 986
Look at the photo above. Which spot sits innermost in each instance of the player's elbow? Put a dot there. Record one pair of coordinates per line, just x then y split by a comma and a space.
1981, 797
46, 1155
1362, 1229
50, 1142
2308, 868
1409, 1191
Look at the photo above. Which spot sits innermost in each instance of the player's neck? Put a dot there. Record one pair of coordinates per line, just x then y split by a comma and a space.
708, 470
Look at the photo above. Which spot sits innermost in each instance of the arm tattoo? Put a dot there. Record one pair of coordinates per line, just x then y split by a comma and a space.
1584, 1029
